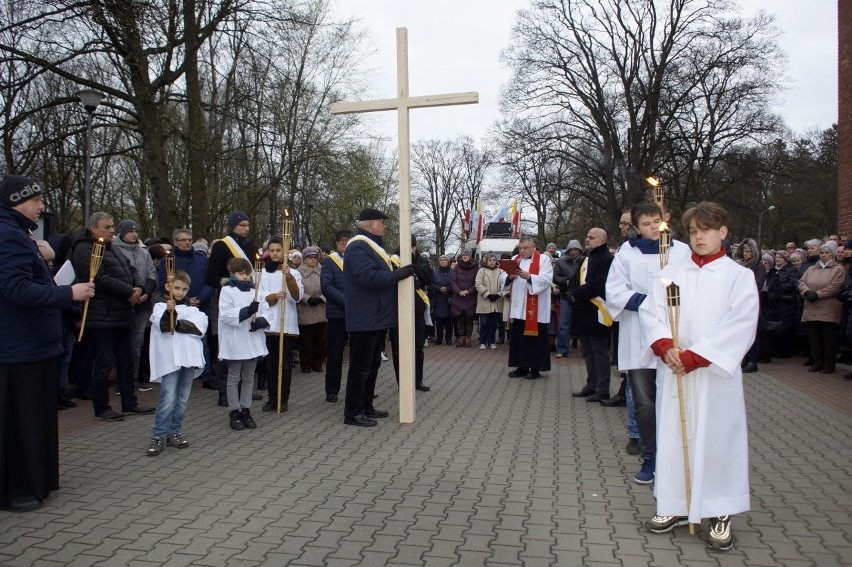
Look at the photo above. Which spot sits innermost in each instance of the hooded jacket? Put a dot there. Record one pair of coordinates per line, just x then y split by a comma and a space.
754, 263
30, 302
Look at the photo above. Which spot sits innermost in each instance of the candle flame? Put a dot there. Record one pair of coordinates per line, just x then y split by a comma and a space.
286, 213
101, 240
664, 226
666, 282
652, 181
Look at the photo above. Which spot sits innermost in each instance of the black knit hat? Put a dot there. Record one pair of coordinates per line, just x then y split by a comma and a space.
16, 189
236, 218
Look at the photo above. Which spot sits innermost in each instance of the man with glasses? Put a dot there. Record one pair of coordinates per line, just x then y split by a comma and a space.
235, 244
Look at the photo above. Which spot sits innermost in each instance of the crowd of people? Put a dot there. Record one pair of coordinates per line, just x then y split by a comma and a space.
243, 317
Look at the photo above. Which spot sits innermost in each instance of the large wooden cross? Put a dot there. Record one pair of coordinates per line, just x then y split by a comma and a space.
402, 103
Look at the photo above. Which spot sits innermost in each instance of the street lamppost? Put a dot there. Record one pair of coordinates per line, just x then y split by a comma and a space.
90, 99
760, 223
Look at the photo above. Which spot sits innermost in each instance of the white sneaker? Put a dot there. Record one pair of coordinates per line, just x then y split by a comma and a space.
493, 347
481, 347
384, 357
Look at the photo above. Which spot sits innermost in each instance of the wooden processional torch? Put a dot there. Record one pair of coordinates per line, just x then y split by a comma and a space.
170, 279
665, 244
286, 235
94, 265
657, 188
673, 304
258, 272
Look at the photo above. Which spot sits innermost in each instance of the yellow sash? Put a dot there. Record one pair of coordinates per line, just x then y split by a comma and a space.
376, 248
420, 293
232, 245
604, 318
335, 257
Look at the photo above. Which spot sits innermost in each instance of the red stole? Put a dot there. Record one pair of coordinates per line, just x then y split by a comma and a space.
531, 321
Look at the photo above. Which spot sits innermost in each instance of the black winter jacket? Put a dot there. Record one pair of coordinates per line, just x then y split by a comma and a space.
114, 283
584, 319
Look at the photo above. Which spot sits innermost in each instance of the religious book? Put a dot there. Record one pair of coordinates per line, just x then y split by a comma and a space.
511, 267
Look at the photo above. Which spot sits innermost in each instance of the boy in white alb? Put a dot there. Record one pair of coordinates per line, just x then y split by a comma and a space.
270, 289
718, 322
633, 273
240, 343
176, 360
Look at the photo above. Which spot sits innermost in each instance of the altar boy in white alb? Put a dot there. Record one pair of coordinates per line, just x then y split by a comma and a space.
718, 322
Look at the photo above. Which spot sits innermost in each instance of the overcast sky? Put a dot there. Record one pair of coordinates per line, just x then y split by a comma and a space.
454, 46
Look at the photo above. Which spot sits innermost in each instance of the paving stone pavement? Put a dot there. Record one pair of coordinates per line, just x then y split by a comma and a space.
495, 471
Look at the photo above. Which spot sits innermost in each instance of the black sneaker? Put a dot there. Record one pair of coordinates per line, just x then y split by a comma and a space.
634, 447
144, 386
177, 440
247, 419
720, 538
156, 446
109, 415
236, 420
268, 406
663, 524
141, 410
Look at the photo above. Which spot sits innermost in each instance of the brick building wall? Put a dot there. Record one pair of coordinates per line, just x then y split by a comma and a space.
844, 118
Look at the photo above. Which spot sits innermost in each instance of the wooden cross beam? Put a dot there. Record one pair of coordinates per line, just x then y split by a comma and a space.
402, 103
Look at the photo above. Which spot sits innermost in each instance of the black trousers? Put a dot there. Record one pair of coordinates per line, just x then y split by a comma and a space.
106, 345
824, 339
643, 385
270, 364
595, 352
365, 351
443, 330
419, 340
335, 342
29, 440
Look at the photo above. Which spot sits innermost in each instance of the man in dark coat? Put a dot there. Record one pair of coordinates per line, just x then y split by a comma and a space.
235, 244
371, 294
30, 348
334, 290
588, 309
109, 323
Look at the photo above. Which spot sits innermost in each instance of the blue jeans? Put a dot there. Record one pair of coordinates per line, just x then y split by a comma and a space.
488, 327
632, 426
174, 395
563, 334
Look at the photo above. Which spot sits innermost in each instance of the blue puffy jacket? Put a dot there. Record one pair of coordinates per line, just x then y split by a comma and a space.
370, 287
194, 263
30, 302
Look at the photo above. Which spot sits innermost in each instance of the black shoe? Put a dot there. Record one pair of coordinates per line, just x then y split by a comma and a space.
141, 410
615, 401
583, 393
23, 504
84, 395
749, 368
518, 373
634, 447
306, 370
376, 413
268, 406
360, 420
223, 401
594, 398
808, 362
421, 387
209, 385
64, 402
109, 415
245, 414
331, 398
236, 420
144, 386
533, 375
256, 396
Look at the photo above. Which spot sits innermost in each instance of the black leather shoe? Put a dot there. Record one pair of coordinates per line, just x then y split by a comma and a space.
518, 373
422, 387
594, 398
634, 447
223, 401
268, 406
360, 420
23, 504
376, 413
615, 401
331, 398
209, 385
140, 410
583, 393
255, 396
533, 375
749, 368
